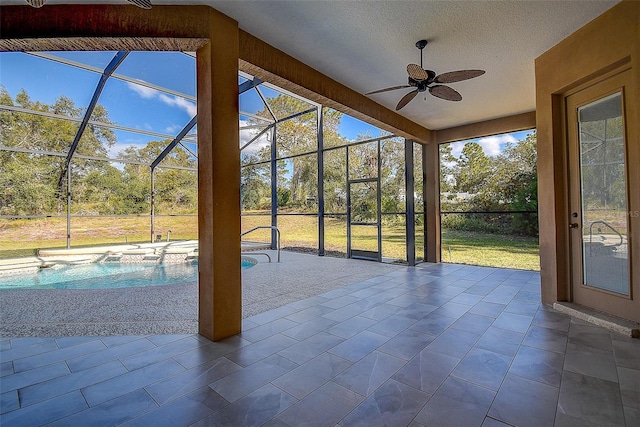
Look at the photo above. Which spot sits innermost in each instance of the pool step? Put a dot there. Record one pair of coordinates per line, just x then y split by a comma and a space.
112, 257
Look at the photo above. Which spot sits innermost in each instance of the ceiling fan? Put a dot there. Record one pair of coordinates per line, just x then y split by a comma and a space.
145, 4
422, 79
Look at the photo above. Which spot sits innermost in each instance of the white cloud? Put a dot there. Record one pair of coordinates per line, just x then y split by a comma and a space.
492, 145
117, 148
247, 135
173, 129
456, 148
173, 101
144, 91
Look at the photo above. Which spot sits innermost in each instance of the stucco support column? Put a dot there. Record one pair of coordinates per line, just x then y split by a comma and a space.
431, 165
219, 278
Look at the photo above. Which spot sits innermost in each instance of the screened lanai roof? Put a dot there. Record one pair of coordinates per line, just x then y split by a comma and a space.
139, 97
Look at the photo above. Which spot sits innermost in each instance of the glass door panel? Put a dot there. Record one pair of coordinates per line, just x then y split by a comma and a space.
603, 195
364, 202
364, 225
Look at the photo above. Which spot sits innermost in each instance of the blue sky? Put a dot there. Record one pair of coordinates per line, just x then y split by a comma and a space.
140, 107
491, 145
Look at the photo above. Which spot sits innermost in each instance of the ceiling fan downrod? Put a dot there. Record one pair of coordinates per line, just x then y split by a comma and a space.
420, 44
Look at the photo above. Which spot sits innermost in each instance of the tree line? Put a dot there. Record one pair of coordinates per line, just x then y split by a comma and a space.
296, 148
475, 182
29, 180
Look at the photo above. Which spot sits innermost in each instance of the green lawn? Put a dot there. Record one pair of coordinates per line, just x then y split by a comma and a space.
493, 250
23, 237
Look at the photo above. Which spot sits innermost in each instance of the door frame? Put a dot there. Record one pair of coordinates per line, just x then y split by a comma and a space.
360, 253
625, 306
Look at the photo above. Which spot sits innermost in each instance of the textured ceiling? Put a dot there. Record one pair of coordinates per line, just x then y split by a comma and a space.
366, 45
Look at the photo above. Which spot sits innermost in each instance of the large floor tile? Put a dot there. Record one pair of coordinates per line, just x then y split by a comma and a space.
454, 343
191, 380
433, 324
255, 409
255, 352
457, 403
369, 373
244, 381
324, 407
312, 375
546, 339
626, 352
45, 412
632, 416
513, 322
67, 383
406, 344
9, 402
427, 371
393, 404
112, 412
311, 347
33, 376
594, 364
183, 411
43, 359
123, 384
629, 380
488, 309
484, 368
538, 365
525, 403
591, 399
500, 341
358, 346
163, 352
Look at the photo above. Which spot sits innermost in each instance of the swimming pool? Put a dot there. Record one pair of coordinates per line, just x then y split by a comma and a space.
107, 275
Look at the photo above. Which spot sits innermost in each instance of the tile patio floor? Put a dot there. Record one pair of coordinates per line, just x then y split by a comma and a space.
435, 345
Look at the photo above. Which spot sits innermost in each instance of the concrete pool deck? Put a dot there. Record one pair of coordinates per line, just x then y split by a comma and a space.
172, 309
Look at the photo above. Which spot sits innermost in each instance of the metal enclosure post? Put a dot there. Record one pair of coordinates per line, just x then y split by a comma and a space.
108, 71
69, 205
410, 202
379, 201
348, 186
153, 204
424, 198
320, 131
274, 188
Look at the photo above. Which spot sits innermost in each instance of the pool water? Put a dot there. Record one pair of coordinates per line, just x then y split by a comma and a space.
103, 276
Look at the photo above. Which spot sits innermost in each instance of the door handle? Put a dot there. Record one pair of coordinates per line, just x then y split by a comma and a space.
573, 225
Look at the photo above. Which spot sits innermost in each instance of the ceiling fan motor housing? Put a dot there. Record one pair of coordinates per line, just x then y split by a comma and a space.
422, 85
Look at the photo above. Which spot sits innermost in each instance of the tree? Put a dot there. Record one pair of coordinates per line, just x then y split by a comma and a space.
36, 194
298, 175
507, 182
255, 179
472, 169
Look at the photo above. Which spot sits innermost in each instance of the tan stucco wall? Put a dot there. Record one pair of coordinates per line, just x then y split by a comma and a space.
606, 45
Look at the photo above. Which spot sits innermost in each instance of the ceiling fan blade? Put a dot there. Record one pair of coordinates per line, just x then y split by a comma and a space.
416, 72
145, 4
445, 92
387, 89
406, 99
457, 76
36, 3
